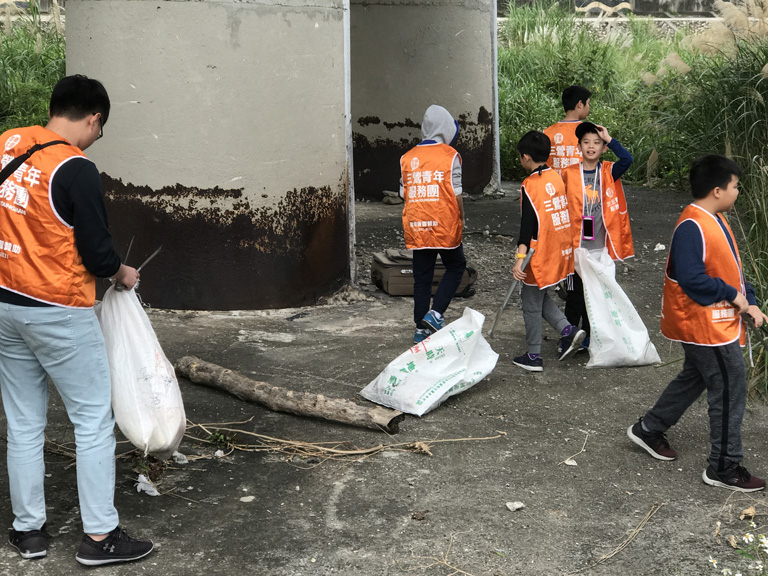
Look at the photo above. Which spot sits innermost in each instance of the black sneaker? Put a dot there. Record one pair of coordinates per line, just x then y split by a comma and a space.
31, 544
655, 443
116, 547
735, 477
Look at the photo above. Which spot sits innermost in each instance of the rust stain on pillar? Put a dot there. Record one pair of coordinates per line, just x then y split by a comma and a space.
221, 253
377, 161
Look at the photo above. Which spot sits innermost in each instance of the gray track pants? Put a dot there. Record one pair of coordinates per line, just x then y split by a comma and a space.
719, 370
538, 304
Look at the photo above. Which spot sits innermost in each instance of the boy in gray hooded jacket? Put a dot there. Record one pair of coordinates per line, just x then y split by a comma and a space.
433, 217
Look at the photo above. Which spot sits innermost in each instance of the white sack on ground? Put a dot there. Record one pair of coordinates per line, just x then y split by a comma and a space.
618, 336
448, 362
146, 398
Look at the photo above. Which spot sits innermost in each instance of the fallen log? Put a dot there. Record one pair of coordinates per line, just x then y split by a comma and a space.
283, 400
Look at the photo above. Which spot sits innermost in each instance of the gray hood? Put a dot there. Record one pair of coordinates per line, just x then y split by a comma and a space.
439, 125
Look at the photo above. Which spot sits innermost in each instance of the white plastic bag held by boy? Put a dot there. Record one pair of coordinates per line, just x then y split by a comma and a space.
448, 362
618, 336
146, 398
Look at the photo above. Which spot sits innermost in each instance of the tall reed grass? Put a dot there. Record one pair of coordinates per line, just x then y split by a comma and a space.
32, 60
667, 100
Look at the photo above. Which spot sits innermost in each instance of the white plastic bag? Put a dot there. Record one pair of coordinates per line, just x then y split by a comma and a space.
448, 362
146, 398
618, 336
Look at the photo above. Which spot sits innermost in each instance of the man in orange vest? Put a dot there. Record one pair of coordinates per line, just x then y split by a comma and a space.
545, 227
705, 306
564, 145
54, 242
433, 217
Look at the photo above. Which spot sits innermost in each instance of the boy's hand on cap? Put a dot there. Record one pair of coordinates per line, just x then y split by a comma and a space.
602, 131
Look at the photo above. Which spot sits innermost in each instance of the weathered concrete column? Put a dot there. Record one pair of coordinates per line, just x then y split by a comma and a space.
228, 143
408, 54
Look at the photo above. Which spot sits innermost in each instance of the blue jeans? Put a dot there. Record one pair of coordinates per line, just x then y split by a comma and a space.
423, 273
66, 344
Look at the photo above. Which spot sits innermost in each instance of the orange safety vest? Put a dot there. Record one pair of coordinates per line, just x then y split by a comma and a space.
431, 217
552, 260
565, 146
38, 256
684, 320
618, 234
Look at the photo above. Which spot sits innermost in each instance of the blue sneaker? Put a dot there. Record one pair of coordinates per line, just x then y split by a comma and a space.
572, 337
431, 321
530, 362
584, 345
420, 335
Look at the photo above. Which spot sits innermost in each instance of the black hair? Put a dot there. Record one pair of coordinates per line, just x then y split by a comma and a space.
75, 97
573, 95
710, 172
536, 144
585, 128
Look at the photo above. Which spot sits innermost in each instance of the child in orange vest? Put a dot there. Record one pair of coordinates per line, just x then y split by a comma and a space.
545, 228
598, 209
706, 302
433, 217
564, 149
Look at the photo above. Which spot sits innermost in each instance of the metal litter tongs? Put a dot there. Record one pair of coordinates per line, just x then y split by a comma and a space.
119, 287
509, 293
761, 332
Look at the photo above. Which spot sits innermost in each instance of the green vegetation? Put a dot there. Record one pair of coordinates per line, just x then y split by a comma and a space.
668, 100
32, 60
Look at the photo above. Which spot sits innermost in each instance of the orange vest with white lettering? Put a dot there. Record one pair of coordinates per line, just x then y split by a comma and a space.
618, 234
565, 146
682, 319
552, 260
431, 217
38, 256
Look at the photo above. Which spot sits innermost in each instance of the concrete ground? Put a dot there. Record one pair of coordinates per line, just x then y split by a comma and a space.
400, 512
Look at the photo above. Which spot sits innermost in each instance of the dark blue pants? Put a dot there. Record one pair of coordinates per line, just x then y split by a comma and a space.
575, 307
721, 372
423, 272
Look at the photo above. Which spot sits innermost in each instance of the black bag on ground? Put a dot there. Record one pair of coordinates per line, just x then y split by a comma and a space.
392, 271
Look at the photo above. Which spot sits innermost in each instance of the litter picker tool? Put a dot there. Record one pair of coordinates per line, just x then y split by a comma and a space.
155, 253
119, 287
509, 293
128, 252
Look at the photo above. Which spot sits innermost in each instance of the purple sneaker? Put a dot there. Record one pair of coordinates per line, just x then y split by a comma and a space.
530, 362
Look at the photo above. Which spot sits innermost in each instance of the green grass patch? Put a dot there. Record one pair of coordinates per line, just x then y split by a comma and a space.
32, 60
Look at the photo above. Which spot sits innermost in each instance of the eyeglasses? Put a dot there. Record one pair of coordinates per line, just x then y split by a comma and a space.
101, 126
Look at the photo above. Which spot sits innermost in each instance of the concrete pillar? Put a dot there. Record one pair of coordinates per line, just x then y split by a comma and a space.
228, 143
408, 54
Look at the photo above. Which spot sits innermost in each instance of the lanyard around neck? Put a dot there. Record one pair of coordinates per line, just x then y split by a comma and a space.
590, 203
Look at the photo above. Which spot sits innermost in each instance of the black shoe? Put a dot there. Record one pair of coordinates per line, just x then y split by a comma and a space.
116, 547
655, 443
31, 544
735, 477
